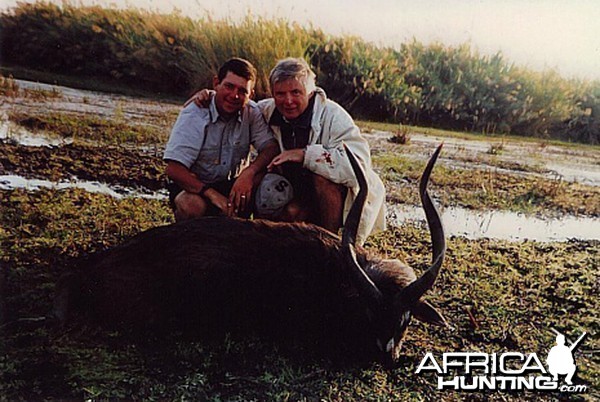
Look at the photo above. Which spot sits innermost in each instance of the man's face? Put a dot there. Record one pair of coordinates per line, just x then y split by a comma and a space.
232, 93
291, 98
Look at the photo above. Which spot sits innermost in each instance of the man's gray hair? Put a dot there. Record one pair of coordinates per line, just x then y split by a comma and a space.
293, 68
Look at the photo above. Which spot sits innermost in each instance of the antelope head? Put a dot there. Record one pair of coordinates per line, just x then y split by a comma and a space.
392, 307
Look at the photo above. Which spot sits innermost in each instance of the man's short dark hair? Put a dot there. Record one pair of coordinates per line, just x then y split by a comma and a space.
240, 67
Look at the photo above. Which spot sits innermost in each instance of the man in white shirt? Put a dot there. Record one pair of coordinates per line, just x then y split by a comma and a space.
311, 131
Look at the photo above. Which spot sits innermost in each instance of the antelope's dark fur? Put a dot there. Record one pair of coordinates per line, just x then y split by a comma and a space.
215, 275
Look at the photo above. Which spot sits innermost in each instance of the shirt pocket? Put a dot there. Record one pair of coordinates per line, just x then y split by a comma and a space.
210, 166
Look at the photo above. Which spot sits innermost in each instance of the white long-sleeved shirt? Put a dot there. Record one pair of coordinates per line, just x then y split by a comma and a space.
332, 126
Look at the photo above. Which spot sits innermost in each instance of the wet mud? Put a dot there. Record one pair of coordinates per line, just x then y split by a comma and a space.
109, 164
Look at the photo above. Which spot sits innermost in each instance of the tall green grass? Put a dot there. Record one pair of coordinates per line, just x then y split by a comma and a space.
171, 53
435, 85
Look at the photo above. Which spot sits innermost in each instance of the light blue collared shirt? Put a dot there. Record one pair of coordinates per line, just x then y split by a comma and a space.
215, 148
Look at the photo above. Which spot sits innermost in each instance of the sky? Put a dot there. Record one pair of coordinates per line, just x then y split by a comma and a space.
563, 35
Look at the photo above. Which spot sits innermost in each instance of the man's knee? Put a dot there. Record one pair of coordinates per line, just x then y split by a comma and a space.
329, 197
188, 206
322, 182
295, 212
329, 191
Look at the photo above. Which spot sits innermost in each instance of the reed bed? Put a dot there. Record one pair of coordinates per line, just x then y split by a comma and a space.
411, 83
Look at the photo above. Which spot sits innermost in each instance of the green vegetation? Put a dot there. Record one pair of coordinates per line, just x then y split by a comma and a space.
368, 126
168, 53
486, 189
438, 86
493, 292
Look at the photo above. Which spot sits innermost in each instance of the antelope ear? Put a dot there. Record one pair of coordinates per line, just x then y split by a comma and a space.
425, 312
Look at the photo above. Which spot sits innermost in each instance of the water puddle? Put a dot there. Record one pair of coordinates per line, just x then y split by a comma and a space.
18, 135
580, 173
62, 90
502, 225
11, 182
98, 103
463, 222
572, 165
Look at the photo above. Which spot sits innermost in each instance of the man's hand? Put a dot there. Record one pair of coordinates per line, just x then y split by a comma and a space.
200, 98
219, 201
241, 192
291, 155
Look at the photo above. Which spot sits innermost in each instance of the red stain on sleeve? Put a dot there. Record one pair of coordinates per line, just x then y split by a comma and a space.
325, 158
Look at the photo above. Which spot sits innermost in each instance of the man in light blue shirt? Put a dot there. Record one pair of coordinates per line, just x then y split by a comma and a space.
208, 151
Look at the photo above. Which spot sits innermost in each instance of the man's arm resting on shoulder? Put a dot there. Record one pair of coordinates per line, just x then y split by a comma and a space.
201, 98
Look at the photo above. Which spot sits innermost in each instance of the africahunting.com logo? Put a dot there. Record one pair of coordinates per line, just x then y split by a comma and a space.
510, 371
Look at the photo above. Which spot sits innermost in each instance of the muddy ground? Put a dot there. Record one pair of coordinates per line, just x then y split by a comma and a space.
499, 295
